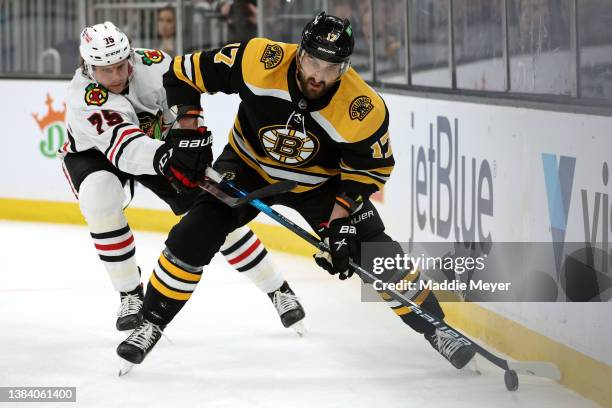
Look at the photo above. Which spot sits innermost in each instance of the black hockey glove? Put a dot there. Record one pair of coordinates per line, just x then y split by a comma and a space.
341, 237
184, 157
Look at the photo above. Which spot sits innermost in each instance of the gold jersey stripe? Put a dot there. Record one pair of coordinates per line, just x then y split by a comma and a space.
384, 171
363, 179
197, 73
178, 71
172, 294
178, 272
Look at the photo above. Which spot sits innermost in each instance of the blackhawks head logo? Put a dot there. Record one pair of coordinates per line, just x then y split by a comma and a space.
151, 125
272, 56
360, 107
150, 57
96, 95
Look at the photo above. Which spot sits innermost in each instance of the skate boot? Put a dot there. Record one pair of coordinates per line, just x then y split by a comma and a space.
128, 315
452, 349
138, 344
288, 307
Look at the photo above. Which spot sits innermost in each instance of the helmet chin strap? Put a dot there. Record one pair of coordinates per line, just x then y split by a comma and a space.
88, 68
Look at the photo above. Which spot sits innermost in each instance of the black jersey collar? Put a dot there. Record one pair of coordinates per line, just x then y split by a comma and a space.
298, 98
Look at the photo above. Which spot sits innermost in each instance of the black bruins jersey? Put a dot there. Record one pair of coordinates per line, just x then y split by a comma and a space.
277, 131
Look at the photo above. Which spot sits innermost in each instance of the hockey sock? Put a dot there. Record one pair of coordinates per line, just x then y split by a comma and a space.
117, 250
245, 252
422, 297
101, 201
170, 287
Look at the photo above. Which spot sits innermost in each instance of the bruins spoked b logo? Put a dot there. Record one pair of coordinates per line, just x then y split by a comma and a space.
288, 145
272, 55
360, 107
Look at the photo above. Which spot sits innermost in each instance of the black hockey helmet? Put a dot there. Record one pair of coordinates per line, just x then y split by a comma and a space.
328, 38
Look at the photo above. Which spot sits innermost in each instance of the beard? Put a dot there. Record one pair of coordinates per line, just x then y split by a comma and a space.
311, 88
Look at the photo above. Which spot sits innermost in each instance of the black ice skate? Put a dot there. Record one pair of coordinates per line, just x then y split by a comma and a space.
128, 315
456, 352
288, 307
138, 344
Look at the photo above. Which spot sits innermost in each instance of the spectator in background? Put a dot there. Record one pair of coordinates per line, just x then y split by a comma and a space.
241, 18
166, 29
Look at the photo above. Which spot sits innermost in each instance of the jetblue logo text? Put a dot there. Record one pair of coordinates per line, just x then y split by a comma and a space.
450, 192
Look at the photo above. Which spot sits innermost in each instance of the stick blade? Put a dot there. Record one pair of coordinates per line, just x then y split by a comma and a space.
270, 190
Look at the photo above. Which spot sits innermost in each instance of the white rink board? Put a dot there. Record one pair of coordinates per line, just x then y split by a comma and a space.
505, 144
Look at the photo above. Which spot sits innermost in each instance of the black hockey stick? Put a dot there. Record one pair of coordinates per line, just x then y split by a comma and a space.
536, 368
212, 186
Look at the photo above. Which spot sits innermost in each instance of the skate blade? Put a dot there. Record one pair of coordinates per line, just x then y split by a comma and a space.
473, 365
126, 368
168, 339
299, 328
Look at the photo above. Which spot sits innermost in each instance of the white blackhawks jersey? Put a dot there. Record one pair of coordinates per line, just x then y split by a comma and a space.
127, 127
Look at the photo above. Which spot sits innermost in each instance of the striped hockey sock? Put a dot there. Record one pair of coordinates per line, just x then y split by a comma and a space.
117, 250
245, 252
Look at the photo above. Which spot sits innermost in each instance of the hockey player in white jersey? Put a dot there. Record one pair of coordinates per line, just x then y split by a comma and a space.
117, 122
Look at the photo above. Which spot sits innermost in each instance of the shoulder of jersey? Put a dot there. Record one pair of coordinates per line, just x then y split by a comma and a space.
149, 69
151, 57
356, 111
265, 62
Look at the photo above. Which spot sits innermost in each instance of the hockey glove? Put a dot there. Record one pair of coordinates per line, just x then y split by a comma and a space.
184, 157
341, 238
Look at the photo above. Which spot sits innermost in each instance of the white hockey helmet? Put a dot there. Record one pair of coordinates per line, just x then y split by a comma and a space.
104, 44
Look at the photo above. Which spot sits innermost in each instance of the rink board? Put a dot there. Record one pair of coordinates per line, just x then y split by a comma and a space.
457, 163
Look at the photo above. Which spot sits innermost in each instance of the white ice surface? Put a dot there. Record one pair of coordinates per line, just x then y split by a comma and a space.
57, 315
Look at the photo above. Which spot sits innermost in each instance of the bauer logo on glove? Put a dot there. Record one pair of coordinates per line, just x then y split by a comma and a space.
190, 144
184, 157
348, 229
343, 239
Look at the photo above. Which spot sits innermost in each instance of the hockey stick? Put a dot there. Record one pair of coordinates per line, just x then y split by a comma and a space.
536, 368
211, 185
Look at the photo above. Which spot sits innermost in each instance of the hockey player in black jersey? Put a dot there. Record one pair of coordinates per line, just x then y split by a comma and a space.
305, 115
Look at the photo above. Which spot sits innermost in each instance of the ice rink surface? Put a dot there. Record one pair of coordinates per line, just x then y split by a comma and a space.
229, 349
